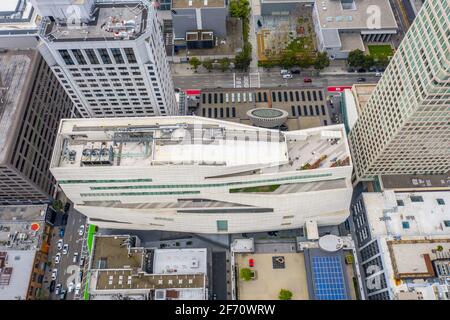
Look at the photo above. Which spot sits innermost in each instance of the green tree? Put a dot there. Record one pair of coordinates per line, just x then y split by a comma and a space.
322, 61
195, 62
57, 205
369, 61
288, 59
246, 274
285, 294
240, 8
224, 64
383, 61
208, 65
243, 59
356, 58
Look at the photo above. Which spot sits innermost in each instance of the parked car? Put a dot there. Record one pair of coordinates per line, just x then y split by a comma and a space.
52, 286
60, 244
75, 257
81, 275
284, 71
62, 232
81, 261
378, 74
361, 70
54, 274
251, 263
62, 295
58, 289
307, 80
58, 257
361, 79
81, 230
65, 217
67, 207
65, 249
272, 233
296, 70
70, 287
77, 289
287, 76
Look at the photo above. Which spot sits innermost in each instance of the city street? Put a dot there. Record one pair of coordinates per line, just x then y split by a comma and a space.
68, 271
267, 79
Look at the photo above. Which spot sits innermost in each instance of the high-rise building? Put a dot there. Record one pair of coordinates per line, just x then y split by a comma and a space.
19, 25
404, 128
109, 56
32, 103
201, 175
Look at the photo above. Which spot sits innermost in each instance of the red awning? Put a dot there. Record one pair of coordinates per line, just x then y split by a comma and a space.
338, 89
192, 92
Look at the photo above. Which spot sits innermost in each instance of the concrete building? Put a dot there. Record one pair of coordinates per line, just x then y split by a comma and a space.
110, 57
341, 25
345, 25
192, 174
403, 128
404, 244
121, 269
32, 103
19, 24
190, 16
305, 107
24, 238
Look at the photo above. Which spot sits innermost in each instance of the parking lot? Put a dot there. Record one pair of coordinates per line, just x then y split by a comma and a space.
70, 250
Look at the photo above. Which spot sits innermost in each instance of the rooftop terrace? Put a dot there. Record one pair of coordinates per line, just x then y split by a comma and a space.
112, 22
194, 140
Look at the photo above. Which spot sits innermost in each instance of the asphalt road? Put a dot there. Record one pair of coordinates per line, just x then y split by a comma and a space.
267, 79
68, 271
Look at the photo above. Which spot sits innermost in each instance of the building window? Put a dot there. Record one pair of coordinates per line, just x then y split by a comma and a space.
104, 56
400, 203
66, 57
222, 225
130, 55
117, 56
447, 223
79, 56
416, 199
440, 202
405, 224
90, 53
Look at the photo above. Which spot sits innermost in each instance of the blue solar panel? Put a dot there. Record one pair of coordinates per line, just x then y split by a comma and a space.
328, 278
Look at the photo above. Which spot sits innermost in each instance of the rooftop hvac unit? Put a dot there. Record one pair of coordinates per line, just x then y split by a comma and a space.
194, 263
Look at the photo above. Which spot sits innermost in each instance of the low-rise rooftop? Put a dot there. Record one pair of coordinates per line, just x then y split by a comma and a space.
408, 214
197, 4
340, 14
18, 17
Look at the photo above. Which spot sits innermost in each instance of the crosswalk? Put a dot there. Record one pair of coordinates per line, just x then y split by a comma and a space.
251, 80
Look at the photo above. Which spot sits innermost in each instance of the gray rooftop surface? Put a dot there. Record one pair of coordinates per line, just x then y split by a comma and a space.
14, 69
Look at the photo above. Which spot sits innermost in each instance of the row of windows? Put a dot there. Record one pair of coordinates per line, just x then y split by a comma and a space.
92, 58
104, 181
280, 96
119, 194
209, 185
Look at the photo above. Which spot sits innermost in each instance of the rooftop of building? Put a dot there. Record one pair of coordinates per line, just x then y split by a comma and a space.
118, 267
188, 140
15, 67
18, 17
111, 22
21, 227
197, 4
15, 273
179, 261
416, 182
354, 14
408, 214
